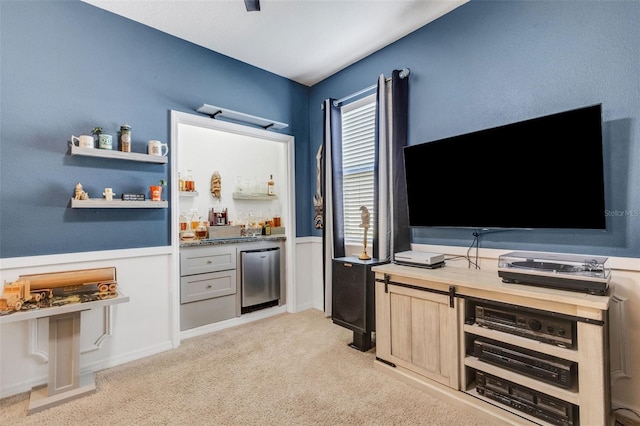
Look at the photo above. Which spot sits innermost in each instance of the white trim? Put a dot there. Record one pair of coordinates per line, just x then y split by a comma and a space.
233, 322
287, 198
87, 256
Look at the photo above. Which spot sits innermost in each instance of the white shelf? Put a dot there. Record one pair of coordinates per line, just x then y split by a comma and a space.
255, 197
108, 153
188, 193
99, 203
215, 112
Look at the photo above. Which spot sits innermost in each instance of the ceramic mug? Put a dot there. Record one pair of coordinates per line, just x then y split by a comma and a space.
156, 192
84, 141
105, 141
156, 147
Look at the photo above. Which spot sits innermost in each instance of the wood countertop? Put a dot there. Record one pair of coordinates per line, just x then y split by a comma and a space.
487, 284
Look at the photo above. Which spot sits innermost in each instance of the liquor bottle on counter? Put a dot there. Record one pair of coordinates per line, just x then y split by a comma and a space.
184, 224
202, 230
266, 228
186, 233
271, 186
195, 219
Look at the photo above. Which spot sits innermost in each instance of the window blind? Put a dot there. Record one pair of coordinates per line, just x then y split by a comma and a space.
358, 156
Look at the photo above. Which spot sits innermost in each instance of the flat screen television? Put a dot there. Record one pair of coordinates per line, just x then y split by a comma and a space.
545, 172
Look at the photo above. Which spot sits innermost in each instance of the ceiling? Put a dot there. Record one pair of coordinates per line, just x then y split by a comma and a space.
303, 40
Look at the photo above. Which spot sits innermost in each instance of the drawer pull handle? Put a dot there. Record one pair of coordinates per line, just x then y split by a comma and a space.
209, 286
209, 261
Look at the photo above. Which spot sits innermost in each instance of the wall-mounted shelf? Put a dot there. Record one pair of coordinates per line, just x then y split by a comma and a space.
107, 153
100, 203
255, 197
217, 112
188, 193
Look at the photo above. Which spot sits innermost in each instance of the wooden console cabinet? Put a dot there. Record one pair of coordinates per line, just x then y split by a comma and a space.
426, 329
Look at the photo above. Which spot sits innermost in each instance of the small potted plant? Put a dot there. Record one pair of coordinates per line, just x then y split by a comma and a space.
156, 190
104, 141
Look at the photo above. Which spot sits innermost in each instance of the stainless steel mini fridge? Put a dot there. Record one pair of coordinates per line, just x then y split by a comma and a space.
260, 278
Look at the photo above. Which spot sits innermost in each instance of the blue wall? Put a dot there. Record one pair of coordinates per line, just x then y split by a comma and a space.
489, 63
67, 67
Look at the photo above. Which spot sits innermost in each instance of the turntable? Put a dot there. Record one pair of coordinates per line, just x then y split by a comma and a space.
588, 274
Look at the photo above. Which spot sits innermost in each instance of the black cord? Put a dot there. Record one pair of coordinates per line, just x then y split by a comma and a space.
466, 257
476, 242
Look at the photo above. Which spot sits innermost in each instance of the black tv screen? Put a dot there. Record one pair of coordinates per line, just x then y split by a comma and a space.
545, 172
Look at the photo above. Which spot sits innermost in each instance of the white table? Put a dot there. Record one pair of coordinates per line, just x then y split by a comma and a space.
64, 382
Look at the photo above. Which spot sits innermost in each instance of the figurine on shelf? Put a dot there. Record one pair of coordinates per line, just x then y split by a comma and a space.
365, 224
108, 194
216, 184
80, 194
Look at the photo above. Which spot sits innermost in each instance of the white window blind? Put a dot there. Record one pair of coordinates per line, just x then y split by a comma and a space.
358, 156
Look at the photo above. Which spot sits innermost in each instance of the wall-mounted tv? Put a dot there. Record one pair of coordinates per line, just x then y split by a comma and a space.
545, 172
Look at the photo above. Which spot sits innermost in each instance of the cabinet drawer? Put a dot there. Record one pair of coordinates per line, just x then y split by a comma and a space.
207, 259
207, 286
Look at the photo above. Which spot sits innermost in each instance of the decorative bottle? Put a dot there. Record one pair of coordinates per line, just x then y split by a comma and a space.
183, 222
125, 138
271, 186
189, 183
195, 219
181, 186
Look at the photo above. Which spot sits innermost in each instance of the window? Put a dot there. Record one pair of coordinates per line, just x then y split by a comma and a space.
358, 156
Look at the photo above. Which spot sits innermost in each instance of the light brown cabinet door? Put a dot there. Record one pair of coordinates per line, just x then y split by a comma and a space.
420, 333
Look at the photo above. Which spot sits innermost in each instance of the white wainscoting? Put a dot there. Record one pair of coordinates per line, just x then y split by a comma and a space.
125, 333
144, 326
134, 330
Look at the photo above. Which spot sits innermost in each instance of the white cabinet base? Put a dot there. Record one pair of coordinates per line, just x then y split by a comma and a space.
40, 399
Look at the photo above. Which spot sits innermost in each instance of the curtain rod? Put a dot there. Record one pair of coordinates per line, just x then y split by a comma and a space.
403, 74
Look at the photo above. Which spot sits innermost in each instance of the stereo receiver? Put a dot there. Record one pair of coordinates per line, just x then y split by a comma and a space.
545, 328
534, 403
550, 369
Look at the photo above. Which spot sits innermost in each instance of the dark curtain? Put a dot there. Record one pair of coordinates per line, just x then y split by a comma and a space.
391, 228
337, 180
332, 183
401, 230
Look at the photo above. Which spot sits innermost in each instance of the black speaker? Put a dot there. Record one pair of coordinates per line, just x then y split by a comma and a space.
353, 298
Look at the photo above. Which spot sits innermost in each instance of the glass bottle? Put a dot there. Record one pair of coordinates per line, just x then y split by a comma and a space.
195, 219
277, 222
202, 229
189, 184
271, 186
181, 185
125, 138
184, 224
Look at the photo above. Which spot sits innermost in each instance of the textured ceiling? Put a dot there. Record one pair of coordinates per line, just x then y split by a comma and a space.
303, 40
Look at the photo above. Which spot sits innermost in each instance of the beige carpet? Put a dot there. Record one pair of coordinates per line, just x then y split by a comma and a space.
290, 369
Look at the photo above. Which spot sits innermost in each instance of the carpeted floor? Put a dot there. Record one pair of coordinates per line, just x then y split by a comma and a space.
290, 369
